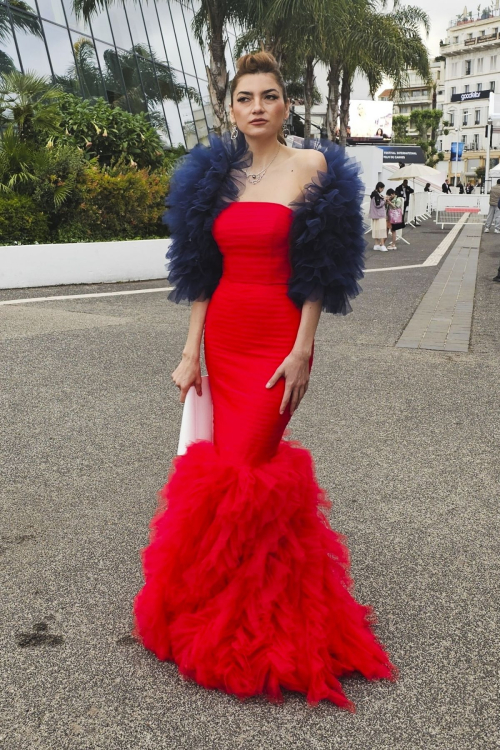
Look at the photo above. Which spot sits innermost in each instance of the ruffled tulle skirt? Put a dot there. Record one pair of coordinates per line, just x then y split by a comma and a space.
247, 588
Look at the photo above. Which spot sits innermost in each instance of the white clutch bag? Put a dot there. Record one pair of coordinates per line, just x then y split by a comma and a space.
197, 417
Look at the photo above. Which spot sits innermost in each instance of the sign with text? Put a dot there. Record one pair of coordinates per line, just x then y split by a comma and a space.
470, 96
403, 154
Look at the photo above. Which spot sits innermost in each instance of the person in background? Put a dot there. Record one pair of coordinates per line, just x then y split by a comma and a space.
395, 217
427, 188
460, 187
404, 191
493, 213
446, 186
378, 216
470, 188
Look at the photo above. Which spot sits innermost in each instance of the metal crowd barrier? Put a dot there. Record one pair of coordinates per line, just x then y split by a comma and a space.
451, 208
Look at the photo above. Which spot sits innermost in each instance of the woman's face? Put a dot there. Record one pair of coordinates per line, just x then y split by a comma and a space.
379, 131
258, 105
380, 188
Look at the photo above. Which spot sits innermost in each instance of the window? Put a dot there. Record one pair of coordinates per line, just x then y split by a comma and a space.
464, 140
468, 67
482, 33
479, 65
492, 85
440, 144
469, 35
466, 88
451, 118
477, 117
455, 40
453, 90
493, 62
479, 86
465, 118
475, 141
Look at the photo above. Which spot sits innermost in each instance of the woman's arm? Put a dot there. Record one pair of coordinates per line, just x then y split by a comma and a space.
188, 371
295, 367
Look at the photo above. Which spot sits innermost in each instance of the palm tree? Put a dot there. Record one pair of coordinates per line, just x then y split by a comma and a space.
374, 43
294, 31
28, 104
209, 29
27, 23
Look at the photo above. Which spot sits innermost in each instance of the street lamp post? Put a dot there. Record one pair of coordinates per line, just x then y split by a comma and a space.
457, 131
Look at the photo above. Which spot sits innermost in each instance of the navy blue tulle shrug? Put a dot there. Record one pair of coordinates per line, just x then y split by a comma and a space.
326, 239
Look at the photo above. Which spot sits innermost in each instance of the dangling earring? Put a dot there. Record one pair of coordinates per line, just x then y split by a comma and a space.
234, 132
286, 129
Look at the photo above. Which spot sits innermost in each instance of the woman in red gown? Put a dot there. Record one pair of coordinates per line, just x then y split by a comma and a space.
247, 588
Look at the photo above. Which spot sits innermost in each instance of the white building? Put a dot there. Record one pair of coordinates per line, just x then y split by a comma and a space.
472, 70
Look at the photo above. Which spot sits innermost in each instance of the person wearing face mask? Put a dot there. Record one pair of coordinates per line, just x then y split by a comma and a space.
247, 586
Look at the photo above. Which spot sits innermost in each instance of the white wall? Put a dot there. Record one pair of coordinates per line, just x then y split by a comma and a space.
371, 159
82, 263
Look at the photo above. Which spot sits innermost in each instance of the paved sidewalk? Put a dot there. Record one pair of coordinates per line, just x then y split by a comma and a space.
406, 443
443, 319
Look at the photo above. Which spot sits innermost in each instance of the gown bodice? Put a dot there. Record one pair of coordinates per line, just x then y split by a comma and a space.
253, 238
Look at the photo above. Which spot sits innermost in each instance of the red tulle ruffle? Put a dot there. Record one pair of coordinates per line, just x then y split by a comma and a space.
247, 587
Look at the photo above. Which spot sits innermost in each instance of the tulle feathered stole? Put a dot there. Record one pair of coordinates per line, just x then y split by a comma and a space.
247, 586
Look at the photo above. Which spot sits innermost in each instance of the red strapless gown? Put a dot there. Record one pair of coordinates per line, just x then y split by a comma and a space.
247, 587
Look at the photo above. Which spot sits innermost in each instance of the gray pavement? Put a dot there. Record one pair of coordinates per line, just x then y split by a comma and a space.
405, 441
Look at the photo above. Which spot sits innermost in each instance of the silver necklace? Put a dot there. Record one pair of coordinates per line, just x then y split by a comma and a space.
256, 178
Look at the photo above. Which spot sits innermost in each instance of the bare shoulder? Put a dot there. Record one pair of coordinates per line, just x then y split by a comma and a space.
310, 162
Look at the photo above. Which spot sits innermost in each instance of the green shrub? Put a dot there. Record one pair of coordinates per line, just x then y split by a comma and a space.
21, 221
107, 133
115, 205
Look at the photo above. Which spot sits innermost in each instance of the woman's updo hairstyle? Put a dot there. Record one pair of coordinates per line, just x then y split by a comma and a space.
259, 62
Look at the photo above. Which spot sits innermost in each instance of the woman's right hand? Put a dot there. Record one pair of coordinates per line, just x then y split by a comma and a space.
186, 374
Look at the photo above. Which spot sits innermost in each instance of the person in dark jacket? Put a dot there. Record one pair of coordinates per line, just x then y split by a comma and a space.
427, 188
460, 187
404, 191
446, 186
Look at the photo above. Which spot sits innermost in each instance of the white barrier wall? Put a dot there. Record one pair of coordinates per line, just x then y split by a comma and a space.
82, 263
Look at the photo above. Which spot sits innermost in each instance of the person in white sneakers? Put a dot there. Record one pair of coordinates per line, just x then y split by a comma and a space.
494, 212
378, 216
395, 215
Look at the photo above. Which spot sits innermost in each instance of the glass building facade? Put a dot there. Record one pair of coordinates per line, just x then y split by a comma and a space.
139, 55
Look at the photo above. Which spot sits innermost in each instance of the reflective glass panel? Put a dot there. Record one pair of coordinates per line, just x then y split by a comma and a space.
168, 33
137, 28
195, 47
153, 29
198, 112
132, 80
174, 123
52, 10
25, 6
61, 54
87, 66
120, 26
101, 28
182, 40
111, 73
31, 44
8, 53
75, 23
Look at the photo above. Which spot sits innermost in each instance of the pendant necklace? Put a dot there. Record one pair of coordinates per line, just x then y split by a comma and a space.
256, 178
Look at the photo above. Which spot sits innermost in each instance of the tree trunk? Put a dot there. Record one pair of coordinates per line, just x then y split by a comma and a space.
308, 95
345, 100
218, 77
332, 112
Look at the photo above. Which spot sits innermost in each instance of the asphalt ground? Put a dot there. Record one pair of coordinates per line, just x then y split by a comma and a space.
406, 442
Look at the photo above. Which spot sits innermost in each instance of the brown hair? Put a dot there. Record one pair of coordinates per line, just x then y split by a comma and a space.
259, 62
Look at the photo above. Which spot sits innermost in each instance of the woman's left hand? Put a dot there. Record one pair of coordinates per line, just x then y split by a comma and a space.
295, 370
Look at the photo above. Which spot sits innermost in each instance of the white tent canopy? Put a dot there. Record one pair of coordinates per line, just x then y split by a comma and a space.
495, 172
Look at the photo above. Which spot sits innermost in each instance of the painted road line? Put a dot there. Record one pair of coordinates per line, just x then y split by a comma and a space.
84, 296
